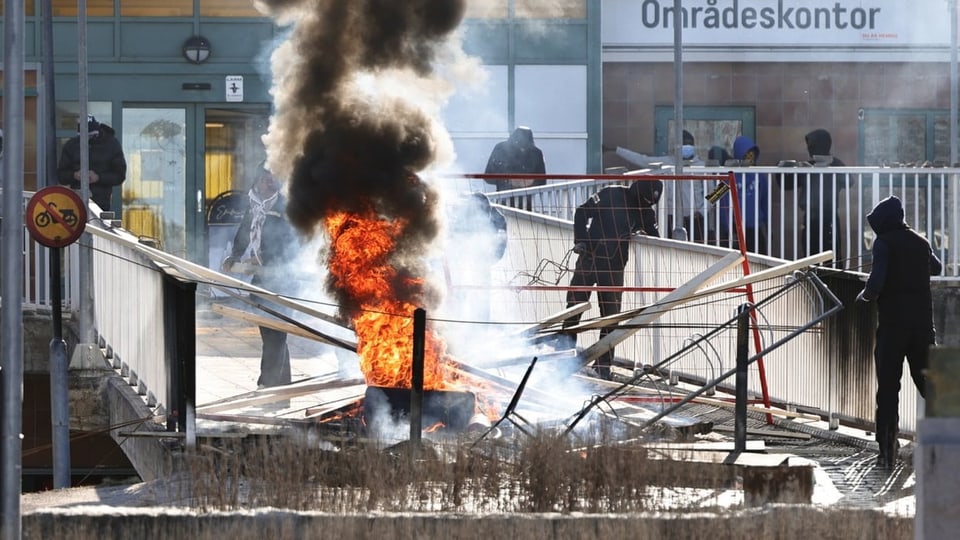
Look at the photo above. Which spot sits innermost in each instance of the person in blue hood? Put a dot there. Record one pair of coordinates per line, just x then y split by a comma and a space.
752, 191
900, 283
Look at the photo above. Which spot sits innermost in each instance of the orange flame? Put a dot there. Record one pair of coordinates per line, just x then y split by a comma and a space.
360, 262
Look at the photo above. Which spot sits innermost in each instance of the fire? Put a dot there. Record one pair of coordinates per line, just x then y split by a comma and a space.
360, 262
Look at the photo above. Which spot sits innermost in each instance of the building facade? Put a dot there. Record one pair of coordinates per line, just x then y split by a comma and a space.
186, 85
876, 74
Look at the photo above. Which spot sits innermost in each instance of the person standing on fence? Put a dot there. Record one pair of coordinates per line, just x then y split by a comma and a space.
683, 200
517, 154
264, 241
602, 227
752, 189
900, 283
108, 166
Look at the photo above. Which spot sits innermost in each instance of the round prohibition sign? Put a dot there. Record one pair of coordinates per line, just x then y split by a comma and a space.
55, 216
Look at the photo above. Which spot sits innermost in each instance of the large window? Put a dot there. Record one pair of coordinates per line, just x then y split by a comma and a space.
710, 126
905, 137
527, 9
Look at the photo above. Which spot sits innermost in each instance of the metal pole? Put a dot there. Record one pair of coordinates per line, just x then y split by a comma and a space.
86, 241
416, 380
59, 391
49, 178
953, 82
743, 354
11, 262
678, 85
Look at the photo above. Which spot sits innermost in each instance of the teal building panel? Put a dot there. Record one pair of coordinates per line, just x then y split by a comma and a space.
100, 40
561, 43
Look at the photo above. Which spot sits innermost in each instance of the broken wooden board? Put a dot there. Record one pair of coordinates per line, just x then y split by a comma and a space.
269, 322
770, 273
677, 297
277, 393
556, 318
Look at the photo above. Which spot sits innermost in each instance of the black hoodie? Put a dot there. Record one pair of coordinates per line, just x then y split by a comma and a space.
819, 143
106, 159
902, 265
517, 154
607, 220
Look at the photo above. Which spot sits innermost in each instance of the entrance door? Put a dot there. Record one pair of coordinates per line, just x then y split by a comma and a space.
180, 159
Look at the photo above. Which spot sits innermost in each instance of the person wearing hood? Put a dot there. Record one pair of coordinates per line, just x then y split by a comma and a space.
264, 241
602, 228
752, 191
899, 281
817, 194
108, 166
682, 200
516, 155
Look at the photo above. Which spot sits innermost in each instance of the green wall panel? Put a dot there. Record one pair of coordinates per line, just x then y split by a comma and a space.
100, 42
551, 43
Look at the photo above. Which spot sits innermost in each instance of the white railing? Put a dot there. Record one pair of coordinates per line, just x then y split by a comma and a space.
929, 196
810, 370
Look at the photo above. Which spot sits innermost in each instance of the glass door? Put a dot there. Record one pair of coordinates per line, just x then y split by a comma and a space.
188, 172
155, 192
232, 151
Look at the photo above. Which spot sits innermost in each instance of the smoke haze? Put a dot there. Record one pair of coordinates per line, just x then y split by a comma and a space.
356, 101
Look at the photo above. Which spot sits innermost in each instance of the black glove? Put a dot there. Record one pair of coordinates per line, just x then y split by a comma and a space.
580, 248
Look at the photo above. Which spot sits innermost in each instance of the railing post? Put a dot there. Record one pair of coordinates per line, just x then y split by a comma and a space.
743, 353
180, 329
416, 381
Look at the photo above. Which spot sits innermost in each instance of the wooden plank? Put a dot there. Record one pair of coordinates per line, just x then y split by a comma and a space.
750, 279
277, 393
558, 317
767, 433
769, 273
678, 296
269, 322
754, 408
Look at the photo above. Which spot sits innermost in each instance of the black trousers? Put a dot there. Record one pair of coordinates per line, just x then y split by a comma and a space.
602, 272
274, 358
896, 340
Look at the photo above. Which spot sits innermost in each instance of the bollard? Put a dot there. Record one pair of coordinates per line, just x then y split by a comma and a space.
743, 352
937, 458
416, 379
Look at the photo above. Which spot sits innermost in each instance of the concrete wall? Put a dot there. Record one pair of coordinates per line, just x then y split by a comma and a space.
768, 522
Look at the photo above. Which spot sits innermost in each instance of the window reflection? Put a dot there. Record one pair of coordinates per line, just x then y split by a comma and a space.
228, 8
550, 9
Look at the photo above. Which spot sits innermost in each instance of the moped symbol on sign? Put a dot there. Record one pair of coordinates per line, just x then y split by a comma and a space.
55, 216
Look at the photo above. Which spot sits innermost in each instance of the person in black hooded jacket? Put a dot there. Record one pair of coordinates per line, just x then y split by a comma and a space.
108, 166
820, 190
900, 283
602, 227
516, 155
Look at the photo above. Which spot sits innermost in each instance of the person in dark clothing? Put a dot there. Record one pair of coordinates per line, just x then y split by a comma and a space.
718, 156
900, 283
752, 189
818, 192
602, 227
264, 241
517, 154
108, 166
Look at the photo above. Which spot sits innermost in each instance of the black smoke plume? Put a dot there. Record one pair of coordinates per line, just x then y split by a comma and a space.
343, 141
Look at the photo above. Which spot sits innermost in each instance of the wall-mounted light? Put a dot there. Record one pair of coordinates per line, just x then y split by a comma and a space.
196, 49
